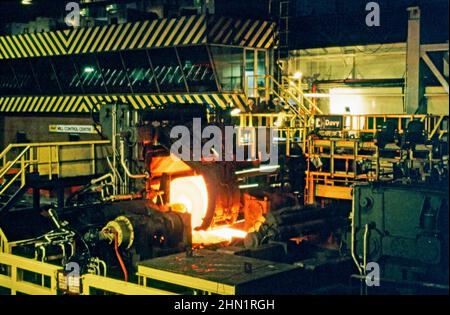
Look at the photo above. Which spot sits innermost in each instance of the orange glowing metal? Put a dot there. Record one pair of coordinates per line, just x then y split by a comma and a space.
228, 233
217, 235
190, 192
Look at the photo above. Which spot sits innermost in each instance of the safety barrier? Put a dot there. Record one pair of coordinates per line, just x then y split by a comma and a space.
110, 285
61, 159
27, 276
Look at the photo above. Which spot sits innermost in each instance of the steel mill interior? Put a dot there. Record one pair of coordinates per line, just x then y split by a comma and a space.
221, 147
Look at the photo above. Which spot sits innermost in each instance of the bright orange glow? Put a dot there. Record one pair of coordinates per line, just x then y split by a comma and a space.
217, 235
228, 233
191, 192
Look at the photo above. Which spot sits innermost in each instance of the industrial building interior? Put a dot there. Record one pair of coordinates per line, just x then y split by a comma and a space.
221, 147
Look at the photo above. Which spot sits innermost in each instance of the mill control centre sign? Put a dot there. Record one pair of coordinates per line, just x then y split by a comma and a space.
72, 129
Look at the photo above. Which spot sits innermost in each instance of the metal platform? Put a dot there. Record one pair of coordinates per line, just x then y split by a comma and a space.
217, 273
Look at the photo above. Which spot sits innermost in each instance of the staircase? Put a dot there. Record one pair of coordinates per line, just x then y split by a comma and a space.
13, 177
291, 100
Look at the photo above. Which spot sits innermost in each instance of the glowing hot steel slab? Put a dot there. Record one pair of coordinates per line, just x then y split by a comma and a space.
217, 235
192, 193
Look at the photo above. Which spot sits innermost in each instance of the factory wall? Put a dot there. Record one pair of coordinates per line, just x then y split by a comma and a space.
378, 100
360, 79
36, 129
353, 62
437, 100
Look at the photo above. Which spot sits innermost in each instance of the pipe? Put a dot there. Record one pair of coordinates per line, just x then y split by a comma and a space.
116, 174
352, 246
114, 131
119, 258
124, 164
44, 253
63, 249
366, 232
104, 177
54, 219
104, 186
72, 248
124, 197
103, 264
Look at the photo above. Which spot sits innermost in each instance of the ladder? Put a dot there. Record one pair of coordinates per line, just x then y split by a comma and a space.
283, 28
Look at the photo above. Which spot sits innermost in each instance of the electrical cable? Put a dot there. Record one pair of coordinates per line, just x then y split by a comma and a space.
119, 258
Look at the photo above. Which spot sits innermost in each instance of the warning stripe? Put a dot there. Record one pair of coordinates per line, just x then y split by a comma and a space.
243, 32
84, 104
192, 30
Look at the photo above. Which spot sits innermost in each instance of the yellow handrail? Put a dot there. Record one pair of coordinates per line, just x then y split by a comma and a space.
25, 162
47, 144
270, 80
6, 169
117, 286
302, 94
15, 281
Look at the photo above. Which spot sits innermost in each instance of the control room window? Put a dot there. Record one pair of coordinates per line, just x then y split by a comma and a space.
167, 70
114, 73
229, 63
90, 76
8, 83
197, 69
46, 76
139, 69
68, 76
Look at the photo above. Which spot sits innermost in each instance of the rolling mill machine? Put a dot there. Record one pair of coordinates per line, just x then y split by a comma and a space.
152, 217
143, 218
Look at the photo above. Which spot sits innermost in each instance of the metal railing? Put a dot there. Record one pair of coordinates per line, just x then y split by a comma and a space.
286, 91
342, 151
4, 245
21, 275
28, 276
301, 108
109, 285
284, 124
45, 158
358, 124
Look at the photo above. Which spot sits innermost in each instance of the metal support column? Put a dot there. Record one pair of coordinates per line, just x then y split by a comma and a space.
414, 91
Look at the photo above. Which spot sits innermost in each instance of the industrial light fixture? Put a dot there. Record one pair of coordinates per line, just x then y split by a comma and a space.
298, 75
112, 8
26, 2
84, 12
235, 112
248, 186
88, 69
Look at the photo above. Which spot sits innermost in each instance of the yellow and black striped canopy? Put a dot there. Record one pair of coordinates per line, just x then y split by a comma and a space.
86, 103
181, 31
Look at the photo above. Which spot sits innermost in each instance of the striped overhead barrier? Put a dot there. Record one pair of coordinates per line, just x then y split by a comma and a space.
181, 31
88, 103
